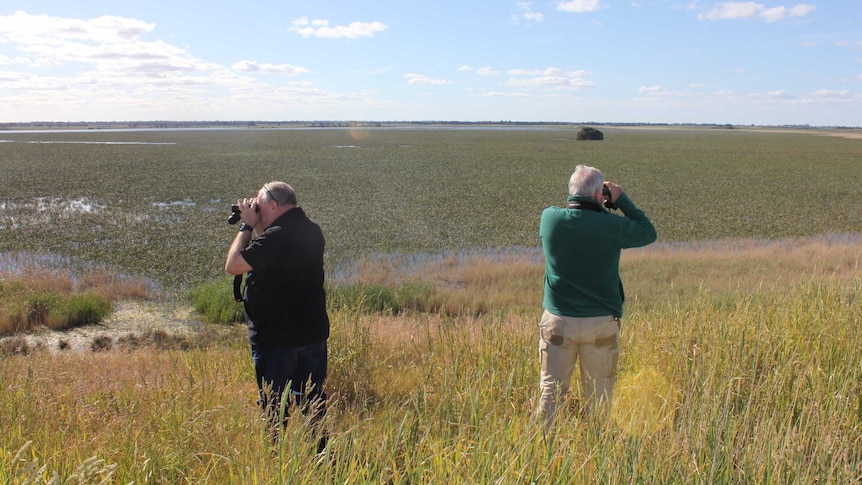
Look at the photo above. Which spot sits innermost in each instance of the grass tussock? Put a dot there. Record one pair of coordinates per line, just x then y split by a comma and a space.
54, 311
215, 302
56, 299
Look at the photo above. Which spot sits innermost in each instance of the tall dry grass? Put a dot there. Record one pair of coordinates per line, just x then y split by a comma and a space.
728, 375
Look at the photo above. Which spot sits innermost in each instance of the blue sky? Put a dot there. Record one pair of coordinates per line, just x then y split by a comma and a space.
771, 63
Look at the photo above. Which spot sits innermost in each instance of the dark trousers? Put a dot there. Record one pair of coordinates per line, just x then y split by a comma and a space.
301, 370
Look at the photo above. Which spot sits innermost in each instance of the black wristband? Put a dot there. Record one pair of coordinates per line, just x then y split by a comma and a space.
245, 227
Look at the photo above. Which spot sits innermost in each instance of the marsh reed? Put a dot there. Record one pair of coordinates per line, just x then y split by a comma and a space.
727, 376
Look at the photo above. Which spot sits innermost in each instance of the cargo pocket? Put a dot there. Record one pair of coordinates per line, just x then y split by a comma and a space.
611, 345
551, 329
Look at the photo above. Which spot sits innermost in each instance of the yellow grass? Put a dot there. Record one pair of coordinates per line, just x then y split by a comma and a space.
740, 364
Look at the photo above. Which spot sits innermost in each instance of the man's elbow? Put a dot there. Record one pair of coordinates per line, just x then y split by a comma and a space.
653, 236
236, 266
644, 237
650, 236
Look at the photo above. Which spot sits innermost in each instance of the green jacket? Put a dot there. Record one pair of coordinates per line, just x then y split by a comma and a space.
582, 255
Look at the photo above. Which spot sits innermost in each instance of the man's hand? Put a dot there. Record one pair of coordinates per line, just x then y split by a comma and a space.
248, 212
616, 191
235, 264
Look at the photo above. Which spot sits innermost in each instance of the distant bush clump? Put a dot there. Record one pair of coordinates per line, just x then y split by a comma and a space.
588, 133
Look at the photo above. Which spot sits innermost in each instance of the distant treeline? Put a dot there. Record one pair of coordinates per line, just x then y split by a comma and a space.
95, 125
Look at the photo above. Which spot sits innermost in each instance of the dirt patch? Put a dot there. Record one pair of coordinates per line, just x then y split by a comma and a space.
130, 322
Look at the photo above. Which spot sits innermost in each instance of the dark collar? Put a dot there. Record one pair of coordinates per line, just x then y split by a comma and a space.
584, 203
288, 216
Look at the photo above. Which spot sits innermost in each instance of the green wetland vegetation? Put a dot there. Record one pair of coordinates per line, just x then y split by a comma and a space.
156, 202
742, 356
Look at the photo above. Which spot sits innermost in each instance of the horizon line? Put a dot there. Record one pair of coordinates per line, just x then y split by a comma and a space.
369, 123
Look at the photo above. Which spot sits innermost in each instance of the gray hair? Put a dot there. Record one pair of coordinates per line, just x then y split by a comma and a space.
585, 181
280, 192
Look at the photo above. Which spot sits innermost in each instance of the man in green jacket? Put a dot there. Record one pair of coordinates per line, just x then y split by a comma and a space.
583, 300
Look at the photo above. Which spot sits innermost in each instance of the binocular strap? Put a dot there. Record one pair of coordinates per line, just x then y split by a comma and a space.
237, 288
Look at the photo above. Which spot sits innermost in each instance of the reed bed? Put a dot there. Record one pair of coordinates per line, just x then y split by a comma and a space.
738, 382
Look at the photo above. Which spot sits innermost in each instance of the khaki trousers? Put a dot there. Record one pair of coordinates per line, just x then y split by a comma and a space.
563, 341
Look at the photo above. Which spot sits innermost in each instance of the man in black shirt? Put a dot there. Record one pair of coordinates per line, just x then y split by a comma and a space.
285, 301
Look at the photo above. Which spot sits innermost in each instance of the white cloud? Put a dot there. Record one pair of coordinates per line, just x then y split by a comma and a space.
732, 10
421, 79
773, 14
652, 89
24, 28
321, 28
578, 6
550, 71
8, 61
830, 94
847, 43
658, 92
551, 77
114, 45
107, 63
11, 77
527, 13
482, 71
504, 94
255, 67
801, 10
487, 71
743, 10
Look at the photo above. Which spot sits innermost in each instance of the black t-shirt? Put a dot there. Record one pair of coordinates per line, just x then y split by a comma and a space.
285, 298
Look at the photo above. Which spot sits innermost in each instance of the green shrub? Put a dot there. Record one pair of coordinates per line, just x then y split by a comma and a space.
40, 307
416, 296
365, 298
588, 133
372, 298
215, 302
83, 309
59, 312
